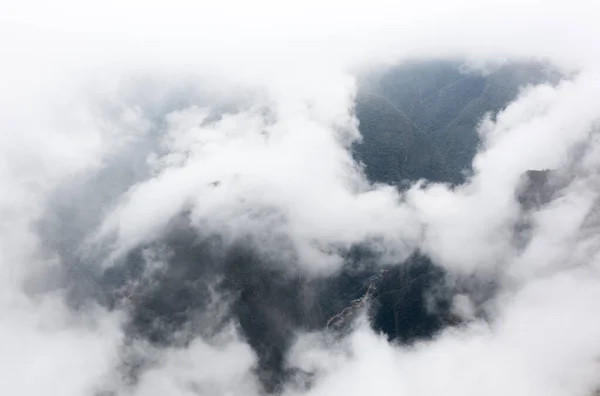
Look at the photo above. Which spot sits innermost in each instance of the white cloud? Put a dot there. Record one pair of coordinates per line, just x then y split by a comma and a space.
536, 345
289, 174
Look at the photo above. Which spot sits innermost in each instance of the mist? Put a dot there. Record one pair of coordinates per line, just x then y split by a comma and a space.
185, 209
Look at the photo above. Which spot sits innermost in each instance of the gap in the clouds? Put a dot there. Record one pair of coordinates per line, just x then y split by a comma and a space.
270, 303
187, 285
420, 119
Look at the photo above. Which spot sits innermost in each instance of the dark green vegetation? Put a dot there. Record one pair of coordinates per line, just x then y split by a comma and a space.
420, 120
269, 301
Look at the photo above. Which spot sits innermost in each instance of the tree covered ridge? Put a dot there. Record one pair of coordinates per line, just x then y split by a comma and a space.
419, 120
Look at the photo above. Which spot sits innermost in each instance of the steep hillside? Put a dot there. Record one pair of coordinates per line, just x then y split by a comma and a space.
444, 104
393, 147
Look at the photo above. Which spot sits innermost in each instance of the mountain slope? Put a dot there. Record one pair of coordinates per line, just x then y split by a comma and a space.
393, 147
443, 103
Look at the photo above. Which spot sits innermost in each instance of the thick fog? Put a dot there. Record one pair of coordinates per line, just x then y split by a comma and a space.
177, 175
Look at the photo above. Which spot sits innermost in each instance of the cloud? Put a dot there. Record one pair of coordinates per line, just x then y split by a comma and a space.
524, 351
185, 372
251, 136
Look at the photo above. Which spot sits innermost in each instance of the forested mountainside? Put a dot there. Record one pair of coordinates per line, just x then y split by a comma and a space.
271, 304
419, 120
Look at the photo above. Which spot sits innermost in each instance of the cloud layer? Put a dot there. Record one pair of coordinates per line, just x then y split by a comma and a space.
116, 118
